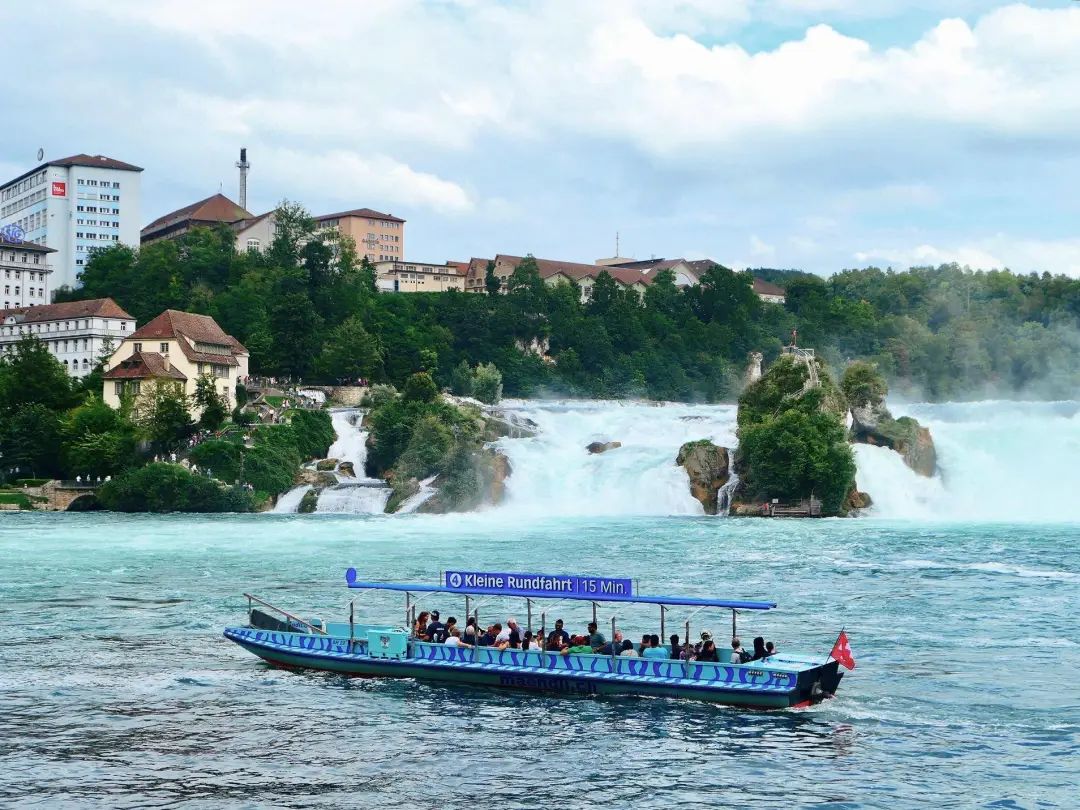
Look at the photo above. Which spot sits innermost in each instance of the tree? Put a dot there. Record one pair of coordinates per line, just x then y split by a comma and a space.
350, 352
491, 281
98, 440
161, 411
420, 388
461, 380
863, 385
30, 375
487, 383
30, 440
210, 402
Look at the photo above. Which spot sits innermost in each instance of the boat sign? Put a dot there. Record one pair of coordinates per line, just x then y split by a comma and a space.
508, 584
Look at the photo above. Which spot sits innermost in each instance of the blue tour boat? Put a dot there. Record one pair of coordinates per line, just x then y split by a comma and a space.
353, 648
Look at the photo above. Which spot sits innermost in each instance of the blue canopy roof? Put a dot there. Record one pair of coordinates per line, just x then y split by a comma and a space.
689, 601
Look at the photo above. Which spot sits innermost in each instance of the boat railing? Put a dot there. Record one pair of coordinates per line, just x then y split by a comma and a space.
291, 617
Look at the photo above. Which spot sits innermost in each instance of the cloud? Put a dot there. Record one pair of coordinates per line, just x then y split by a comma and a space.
997, 252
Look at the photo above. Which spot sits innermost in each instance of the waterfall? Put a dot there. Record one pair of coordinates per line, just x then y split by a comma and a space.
365, 498
727, 491
413, 502
351, 442
553, 474
290, 501
998, 460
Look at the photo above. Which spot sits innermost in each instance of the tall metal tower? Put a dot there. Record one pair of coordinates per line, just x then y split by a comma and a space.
243, 166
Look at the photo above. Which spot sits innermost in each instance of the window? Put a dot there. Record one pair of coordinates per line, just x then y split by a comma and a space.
163, 348
253, 244
138, 347
116, 185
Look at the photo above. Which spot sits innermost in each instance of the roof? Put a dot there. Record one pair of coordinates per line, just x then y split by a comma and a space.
449, 268
367, 213
31, 246
215, 208
142, 365
94, 307
762, 287
82, 159
690, 601
173, 323
577, 270
243, 224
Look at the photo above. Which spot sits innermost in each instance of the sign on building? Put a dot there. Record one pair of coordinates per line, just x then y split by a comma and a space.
59, 188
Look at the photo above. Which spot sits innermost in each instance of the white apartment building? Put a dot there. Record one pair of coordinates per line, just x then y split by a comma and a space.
419, 276
76, 332
74, 205
24, 274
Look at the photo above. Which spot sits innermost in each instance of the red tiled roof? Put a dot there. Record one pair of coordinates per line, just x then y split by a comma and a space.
762, 287
143, 365
198, 328
216, 208
94, 307
576, 270
367, 213
237, 346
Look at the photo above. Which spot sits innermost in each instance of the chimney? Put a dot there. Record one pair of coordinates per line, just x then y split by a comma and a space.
243, 166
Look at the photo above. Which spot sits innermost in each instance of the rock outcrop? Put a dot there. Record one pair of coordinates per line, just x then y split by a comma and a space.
346, 468
308, 502
478, 479
326, 464
707, 466
873, 424
601, 447
857, 501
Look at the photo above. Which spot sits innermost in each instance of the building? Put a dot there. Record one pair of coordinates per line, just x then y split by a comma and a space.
78, 333
420, 276
179, 347
769, 292
214, 210
687, 272
256, 233
26, 272
75, 206
554, 272
379, 237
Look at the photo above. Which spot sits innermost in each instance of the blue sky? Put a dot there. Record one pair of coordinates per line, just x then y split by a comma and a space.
819, 134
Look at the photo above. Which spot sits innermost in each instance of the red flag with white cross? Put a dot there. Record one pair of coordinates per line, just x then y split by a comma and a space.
841, 651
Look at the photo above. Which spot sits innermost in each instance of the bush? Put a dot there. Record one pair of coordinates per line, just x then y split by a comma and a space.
461, 380
428, 446
487, 383
313, 432
420, 387
170, 488
379, 395
863, 385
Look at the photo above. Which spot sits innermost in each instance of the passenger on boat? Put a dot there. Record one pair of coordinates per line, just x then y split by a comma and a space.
759, 650
515, 640
470, 634
454, 639
442, 631
687, 653
596, 638
738, 654
628, 649
612, 647
708, 652
706, 635
433, 626
644, 645
558, 638
654, 650
675, 648
504, 632
532, 643
770, 648
579, 645
420, 626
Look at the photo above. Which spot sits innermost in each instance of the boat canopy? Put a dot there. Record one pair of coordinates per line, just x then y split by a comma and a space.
604, 593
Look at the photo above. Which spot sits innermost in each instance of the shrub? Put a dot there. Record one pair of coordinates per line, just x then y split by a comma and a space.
170, 488
378, 395
461, 380
863, 385
487, 383
420, 387
427, 448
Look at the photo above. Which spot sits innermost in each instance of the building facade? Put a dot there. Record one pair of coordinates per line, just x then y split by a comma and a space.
769, 292
26, 271
379, 237
419, 276
554, 272
75, 206
176, 347
78, 333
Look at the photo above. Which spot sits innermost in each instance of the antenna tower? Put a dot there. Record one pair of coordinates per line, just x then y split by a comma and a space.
243, 166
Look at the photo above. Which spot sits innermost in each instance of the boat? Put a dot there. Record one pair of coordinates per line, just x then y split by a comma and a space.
353, 648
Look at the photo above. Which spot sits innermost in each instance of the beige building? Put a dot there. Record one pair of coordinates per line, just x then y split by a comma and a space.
419, 276
379, 237
554, 272
176, 347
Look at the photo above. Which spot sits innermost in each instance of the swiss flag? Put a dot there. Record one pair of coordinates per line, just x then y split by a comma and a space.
841, 651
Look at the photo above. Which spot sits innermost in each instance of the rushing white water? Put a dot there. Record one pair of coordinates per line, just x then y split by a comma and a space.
350, 444
290, 501
413, 502
553, 473
366, 498
998, 460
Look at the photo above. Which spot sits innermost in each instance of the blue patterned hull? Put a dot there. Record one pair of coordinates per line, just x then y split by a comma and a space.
784, 683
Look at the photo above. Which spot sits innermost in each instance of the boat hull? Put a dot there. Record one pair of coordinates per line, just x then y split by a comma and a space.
568, 675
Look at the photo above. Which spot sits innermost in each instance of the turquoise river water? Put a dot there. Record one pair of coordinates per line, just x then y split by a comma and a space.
118, 690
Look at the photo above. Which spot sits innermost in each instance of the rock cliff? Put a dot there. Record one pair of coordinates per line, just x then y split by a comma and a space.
707, 467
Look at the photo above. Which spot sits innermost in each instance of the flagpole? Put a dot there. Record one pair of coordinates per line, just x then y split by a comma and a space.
833, 647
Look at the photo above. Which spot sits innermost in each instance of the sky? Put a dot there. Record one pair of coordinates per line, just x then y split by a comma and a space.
812, 134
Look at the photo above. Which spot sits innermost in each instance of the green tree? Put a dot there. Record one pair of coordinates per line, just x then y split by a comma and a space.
210, 402
492, 284
30, 440
487, 383
863, 385
161, 412
350, 352
420, 387
461, 380
30, 375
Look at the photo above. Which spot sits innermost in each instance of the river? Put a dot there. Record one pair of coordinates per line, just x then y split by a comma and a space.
118, 689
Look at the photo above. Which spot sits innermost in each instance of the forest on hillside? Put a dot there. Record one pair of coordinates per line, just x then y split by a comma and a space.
307, 308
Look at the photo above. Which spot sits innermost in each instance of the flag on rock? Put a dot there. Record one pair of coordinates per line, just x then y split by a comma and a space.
841, 651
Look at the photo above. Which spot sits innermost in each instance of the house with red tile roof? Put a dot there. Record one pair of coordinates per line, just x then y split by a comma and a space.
176, 347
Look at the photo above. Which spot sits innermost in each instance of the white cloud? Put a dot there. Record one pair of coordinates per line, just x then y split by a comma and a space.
997, 252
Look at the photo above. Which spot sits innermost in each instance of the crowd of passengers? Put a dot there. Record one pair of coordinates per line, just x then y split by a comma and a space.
430, 628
